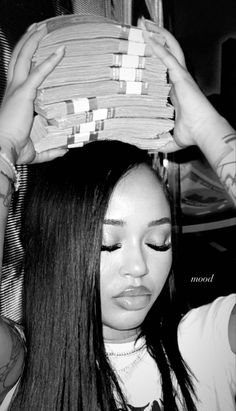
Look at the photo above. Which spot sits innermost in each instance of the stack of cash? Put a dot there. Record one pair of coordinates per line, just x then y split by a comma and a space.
107, 86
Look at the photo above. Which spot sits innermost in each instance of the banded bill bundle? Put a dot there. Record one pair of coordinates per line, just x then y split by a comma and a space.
107, 86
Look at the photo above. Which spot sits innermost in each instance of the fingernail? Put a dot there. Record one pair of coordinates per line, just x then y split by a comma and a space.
59, 51
31, 26
41, 26
142, 23
139, 22
62, 152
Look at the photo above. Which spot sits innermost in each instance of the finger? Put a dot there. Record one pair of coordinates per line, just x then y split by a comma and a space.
24, 58
173, 46
170, 42
169, 147
173, 98
175, 69
40, 72
148, 25
17, 49
49, 155
31, 27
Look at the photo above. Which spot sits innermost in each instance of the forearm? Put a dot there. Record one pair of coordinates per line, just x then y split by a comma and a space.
15, 143
219, 147
6, 189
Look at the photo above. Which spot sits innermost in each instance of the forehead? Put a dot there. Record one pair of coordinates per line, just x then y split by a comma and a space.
139, 192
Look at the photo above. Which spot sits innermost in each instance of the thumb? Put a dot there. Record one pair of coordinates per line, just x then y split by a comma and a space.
49, 155
169, 147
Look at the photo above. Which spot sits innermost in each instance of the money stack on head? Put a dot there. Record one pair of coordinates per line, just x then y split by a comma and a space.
108, 85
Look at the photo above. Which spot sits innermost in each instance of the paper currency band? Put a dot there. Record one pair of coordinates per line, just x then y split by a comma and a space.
125, 60
93, 126
81, 138
79, 105
132, 34
100, 114
127, 74
137, 49
133, 87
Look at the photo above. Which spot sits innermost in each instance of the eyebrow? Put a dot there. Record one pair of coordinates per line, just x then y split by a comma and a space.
164, 220
121, 223
111, 221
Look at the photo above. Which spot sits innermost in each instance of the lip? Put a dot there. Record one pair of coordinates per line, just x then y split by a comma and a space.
134, 292
133, 298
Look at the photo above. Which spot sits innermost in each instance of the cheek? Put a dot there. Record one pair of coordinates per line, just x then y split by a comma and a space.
159, 261
108, 271
159, 268
110, 283
158, 264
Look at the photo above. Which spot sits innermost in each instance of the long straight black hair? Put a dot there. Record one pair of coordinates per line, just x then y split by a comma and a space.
66, 365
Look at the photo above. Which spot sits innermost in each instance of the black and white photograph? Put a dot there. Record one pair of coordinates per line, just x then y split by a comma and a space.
117, 205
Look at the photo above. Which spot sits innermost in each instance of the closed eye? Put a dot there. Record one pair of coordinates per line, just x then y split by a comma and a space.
110, 248
114, 247
163, 247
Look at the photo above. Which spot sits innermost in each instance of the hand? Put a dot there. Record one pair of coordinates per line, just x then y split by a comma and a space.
195, 117
16, 113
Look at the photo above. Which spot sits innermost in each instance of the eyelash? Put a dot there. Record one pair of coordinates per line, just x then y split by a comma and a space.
163, 247
110, 248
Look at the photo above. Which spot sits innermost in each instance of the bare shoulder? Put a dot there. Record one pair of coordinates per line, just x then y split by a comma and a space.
232, 330
12, 354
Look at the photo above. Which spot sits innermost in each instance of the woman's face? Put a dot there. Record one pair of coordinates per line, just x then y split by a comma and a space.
136, 254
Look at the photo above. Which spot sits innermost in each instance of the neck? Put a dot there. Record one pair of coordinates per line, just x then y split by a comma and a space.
119, 336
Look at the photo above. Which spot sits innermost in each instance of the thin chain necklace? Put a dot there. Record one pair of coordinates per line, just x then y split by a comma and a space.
124, 362
125, 353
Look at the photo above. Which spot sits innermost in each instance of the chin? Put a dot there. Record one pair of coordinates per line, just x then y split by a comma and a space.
128, 322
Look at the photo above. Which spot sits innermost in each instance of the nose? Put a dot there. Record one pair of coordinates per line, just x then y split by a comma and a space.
134, 262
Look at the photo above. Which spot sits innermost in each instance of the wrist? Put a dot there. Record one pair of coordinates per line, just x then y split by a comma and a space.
8, 168
9, 150
212, 129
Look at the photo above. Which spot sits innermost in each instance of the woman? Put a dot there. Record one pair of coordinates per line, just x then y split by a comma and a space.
109, 280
